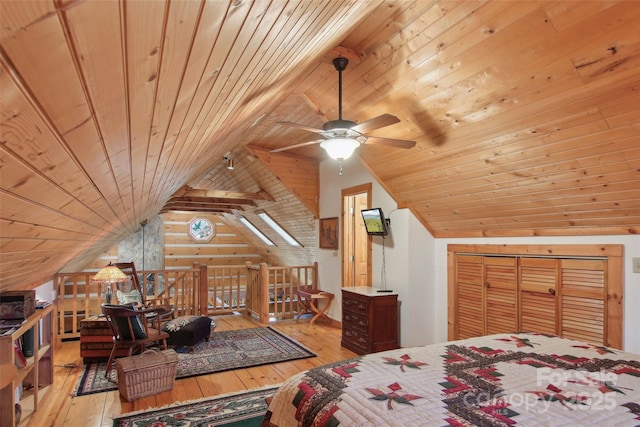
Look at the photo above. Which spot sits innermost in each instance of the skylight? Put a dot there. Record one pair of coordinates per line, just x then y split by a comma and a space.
255, 231
278, 229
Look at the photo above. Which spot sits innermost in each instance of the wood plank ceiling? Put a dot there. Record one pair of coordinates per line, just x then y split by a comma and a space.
526, 114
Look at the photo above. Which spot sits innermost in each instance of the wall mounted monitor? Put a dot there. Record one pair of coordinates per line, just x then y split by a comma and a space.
375, 222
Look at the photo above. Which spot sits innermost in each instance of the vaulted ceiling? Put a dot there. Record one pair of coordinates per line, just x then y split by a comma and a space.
526, 115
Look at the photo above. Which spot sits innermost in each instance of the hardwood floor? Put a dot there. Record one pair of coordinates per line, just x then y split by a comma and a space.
60, 409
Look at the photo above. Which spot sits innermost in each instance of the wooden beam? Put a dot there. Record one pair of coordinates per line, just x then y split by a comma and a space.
212, 200
201, 206
195, 209
187, 191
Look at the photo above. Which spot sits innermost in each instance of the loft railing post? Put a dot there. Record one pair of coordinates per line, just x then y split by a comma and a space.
251, 293
263, 293
203, 290
249, 290
315, 275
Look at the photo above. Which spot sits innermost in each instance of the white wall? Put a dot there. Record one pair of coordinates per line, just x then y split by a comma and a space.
416, 263
46, 292
408, 252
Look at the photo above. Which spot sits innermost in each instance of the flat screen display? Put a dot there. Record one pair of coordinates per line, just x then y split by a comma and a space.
374, 222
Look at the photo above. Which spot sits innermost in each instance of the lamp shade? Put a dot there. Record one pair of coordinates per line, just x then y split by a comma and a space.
340, 148
110, 274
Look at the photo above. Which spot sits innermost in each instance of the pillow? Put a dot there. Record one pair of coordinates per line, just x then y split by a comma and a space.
129, 297
125, 286
177, 324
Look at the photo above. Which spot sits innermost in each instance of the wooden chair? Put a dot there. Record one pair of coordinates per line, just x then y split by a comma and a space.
131, 330
162, 304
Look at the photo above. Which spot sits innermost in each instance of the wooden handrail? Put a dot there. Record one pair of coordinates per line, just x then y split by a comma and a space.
260, 291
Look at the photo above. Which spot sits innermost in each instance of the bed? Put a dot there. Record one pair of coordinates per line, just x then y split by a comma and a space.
496, 380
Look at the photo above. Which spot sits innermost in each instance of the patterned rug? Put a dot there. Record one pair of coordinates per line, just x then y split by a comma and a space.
244, 409
225, 350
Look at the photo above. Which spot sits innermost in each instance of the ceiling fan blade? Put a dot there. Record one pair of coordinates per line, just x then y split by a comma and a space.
299, 126
302, 144
397, 143
376, 123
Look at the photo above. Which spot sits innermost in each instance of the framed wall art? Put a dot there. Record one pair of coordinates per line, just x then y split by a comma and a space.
201, 229
328, 233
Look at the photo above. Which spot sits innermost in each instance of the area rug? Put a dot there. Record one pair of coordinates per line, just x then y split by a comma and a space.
244, 409
225, 350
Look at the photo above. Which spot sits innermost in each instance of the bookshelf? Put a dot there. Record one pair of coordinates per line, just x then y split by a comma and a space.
36, 374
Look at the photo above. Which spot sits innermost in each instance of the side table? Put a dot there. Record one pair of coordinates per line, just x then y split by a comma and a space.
309, 300
96, 339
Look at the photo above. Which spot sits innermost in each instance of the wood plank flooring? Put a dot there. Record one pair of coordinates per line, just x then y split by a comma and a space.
59, 408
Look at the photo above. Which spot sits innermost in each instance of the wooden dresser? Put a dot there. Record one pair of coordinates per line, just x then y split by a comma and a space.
369, 320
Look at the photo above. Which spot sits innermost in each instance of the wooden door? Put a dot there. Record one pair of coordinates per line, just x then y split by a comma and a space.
538, 303
348, 240
356, 244
587, 280
501, 298
469, 296
583, 308
361, 243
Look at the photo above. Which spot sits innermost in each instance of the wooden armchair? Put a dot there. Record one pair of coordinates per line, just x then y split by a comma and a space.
162, 304
131, 330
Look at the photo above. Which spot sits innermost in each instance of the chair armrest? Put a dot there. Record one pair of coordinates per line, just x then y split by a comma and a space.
147, 310
158, 302
162, 304
155, 318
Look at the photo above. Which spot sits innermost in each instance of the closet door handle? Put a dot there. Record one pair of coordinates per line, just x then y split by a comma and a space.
552, 291
487, 284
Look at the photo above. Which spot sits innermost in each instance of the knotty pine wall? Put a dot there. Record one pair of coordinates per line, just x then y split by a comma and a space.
178, 250
227, 247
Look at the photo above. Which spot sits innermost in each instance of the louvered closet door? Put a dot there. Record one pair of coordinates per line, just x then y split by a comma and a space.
583, 299
469, 304
538, 277
501, 294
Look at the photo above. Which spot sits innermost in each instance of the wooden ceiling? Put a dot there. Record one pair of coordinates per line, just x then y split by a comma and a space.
526, 114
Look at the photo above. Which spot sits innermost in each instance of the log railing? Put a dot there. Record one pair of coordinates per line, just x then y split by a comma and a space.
78, 297
272, 290
263, 292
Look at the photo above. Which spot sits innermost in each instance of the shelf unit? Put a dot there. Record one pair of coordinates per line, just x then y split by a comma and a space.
37, 375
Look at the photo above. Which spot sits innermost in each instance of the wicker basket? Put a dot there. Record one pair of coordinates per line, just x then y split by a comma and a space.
149, 373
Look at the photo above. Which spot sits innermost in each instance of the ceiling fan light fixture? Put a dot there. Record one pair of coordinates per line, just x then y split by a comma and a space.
341, 137
340, 147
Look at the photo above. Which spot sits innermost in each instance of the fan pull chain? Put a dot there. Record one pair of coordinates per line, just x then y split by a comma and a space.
340, 165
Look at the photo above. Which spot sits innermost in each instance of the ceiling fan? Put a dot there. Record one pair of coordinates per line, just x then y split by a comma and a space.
341, 137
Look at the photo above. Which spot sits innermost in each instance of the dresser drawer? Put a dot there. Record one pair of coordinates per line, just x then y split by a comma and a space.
351, 320
356, 306
352, 337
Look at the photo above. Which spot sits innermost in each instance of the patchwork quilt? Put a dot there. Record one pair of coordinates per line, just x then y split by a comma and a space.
496, 380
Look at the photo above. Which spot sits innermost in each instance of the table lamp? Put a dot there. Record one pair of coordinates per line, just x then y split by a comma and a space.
109, 274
